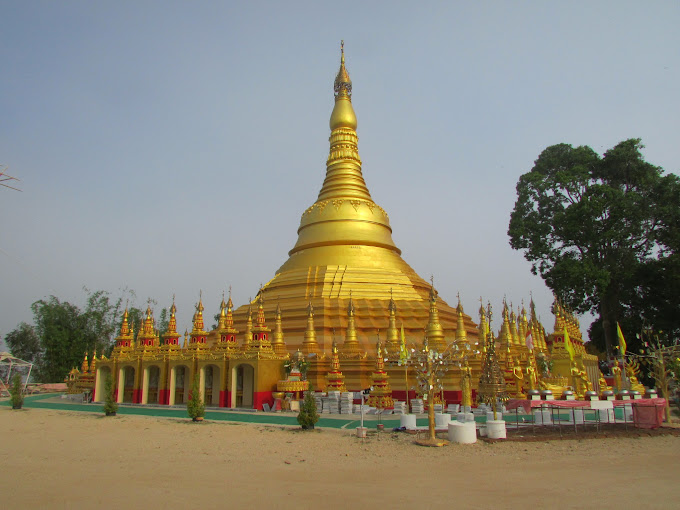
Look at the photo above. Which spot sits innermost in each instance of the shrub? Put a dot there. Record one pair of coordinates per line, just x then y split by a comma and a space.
195, 406
16, 392
308, 415
110, 404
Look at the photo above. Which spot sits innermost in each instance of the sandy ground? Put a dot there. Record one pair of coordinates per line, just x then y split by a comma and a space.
59, 459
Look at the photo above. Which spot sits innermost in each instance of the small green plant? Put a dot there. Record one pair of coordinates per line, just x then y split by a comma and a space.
110, 404
308, 415
16, 392
195, 406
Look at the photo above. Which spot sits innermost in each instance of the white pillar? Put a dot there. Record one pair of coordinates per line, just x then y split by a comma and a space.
171, 397
121, 384
145, 386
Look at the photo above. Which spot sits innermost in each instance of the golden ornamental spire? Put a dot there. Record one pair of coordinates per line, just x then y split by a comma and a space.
93, 362
198, 318
344, 213
461, 334
379, 360
514, 332
124, 327
334, 377
392, 343
351, 345
435, 331
126, 334
483, 327
222, 320
171, 336
342, 87
278, 343
309, 345
229, 321
260, 321
249, 327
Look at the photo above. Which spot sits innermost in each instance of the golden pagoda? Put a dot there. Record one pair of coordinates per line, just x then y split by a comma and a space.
344, 272
345, 246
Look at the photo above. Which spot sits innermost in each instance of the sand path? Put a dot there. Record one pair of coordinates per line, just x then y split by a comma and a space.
58, 459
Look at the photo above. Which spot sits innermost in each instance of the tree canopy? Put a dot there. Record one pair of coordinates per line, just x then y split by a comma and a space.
603, 232
24, 343
63, 333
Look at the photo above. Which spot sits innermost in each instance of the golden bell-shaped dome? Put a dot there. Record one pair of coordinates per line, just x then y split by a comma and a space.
345, 244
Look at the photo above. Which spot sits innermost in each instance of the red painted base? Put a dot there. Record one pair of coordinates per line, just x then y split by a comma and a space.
224, 398
164, 397
136, 396
262, 397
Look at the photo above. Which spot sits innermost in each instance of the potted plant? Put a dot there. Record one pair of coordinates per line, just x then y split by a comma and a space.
110, 404
195, 406
308, 415
16, 392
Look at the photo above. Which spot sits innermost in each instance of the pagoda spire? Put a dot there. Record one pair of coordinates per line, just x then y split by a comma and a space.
381, 392
222, 320
461, 334
309, 344
93, 362
171, 336
506, 335
392, 344
278, 343
434, 330
147, 334
198, 334
230, 312
514, 332
124, 339
343, 175
260, 337
334, 378
247, 336
523, 326
225, 326
198, 318
483, 327
344, 212
351, 345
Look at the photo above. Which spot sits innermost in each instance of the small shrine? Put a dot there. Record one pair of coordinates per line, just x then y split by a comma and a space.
380, 395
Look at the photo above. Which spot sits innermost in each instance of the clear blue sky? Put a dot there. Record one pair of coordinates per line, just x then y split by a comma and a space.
170, 147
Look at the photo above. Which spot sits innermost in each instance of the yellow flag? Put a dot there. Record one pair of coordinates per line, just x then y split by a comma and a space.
622, 341
568, 345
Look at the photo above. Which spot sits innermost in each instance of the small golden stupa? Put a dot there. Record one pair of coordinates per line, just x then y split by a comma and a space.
345, 246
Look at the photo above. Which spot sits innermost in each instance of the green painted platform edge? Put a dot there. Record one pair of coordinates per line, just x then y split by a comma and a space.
37, 402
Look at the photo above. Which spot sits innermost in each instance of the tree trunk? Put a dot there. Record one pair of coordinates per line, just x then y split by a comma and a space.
608, 317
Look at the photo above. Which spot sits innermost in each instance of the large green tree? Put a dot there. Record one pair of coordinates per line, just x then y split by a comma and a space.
66, 333
600, 230
62, 329
24, 343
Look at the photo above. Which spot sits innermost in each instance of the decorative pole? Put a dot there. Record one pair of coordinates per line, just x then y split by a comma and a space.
491, 383
654, 355
430, 367
404, 358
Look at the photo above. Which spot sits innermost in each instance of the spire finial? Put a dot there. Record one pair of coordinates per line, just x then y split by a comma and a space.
343, 85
